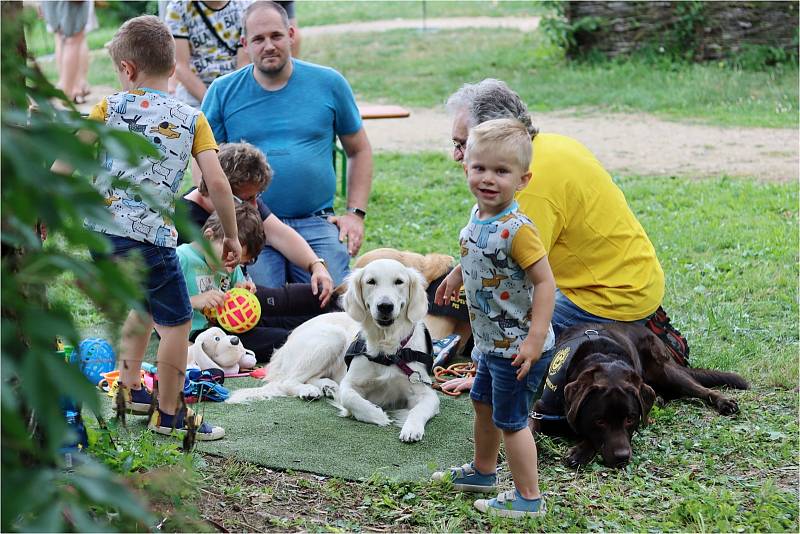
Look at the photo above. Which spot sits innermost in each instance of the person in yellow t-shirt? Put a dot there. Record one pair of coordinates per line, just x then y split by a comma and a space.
605, 266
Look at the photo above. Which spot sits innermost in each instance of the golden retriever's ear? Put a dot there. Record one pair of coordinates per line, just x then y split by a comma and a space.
575, 393
417, 298
436, 265
353, 299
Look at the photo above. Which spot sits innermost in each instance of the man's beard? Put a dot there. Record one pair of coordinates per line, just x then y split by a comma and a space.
271, 71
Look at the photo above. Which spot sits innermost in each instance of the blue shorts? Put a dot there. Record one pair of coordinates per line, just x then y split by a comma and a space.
496, 384
166, 296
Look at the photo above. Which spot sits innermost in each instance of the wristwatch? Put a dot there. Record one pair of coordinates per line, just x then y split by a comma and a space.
358, 211
318, 260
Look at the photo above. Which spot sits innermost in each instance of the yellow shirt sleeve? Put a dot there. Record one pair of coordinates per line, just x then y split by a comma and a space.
527, 247
203, 136
99, 111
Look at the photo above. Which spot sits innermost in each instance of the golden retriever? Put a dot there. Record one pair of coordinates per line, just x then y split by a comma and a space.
385, 303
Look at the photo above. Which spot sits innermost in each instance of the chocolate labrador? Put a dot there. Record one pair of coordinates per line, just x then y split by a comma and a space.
603, 381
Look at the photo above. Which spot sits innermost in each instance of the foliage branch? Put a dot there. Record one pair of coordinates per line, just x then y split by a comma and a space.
39, 493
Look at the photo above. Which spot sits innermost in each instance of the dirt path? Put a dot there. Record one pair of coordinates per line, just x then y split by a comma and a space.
631, 143
515, 23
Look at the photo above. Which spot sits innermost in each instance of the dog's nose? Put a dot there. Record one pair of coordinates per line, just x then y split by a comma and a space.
234, 340
622, 455
385, 308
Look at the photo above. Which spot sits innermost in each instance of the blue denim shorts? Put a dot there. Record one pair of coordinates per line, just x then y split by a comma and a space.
166, 296
496, 384
273, 269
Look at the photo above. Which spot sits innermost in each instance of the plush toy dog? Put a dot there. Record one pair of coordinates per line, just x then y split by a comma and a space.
215, 348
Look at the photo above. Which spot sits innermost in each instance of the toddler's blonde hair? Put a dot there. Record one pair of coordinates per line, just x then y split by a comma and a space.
502, 135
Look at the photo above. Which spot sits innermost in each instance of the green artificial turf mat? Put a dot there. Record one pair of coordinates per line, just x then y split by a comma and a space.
289, 433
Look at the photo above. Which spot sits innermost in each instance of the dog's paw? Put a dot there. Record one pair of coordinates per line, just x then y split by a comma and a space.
727, 406
329, 388
381, 419
309, 392
579, 455
411, 433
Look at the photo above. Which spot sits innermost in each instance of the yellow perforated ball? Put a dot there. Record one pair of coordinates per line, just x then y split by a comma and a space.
240, 312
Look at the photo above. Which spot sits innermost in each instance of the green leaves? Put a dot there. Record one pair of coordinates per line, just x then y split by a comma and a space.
37, 492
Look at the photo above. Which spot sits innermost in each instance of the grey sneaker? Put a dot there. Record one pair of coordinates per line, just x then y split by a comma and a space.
467, 478
511, 504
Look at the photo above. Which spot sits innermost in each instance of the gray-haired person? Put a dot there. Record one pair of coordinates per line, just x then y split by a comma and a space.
605, 266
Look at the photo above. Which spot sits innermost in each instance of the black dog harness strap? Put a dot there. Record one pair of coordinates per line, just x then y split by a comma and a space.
551, 403
401, 358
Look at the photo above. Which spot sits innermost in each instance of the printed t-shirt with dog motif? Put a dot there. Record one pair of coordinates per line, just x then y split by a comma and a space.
178, 132
200, 277
494, 255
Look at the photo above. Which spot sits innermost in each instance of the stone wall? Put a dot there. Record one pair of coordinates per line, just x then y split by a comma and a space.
702, 30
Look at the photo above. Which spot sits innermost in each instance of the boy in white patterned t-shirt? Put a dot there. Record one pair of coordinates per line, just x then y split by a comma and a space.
510, 293
141, 199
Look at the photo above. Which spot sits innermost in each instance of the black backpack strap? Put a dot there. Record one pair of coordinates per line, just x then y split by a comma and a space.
210, 27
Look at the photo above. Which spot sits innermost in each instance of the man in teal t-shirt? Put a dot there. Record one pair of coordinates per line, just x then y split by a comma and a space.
293, 110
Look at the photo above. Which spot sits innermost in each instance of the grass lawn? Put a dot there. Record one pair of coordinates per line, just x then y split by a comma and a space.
729, 249
420, 69
313, 13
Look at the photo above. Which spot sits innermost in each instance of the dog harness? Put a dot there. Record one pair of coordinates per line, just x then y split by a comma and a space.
551, 402
401, 358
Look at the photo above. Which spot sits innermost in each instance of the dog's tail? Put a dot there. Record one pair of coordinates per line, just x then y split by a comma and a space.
710, 378
270, 390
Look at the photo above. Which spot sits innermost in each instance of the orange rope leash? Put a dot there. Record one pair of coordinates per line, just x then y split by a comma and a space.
456, 370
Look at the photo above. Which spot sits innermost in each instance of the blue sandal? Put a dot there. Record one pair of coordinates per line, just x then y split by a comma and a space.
511, 504
467, 478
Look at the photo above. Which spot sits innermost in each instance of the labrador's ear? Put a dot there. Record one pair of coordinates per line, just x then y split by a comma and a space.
353, 298
647, 397
644, 394
575, 393
417, 298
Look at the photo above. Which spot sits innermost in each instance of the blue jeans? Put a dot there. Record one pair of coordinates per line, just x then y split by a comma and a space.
273, 269
566, 314
166, 296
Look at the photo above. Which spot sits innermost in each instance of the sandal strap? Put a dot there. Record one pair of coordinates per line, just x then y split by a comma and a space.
463, 471
506, 496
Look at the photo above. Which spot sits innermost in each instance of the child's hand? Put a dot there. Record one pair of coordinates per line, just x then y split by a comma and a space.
525, 359
248, 285
231, 252
450, 287
213, 298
